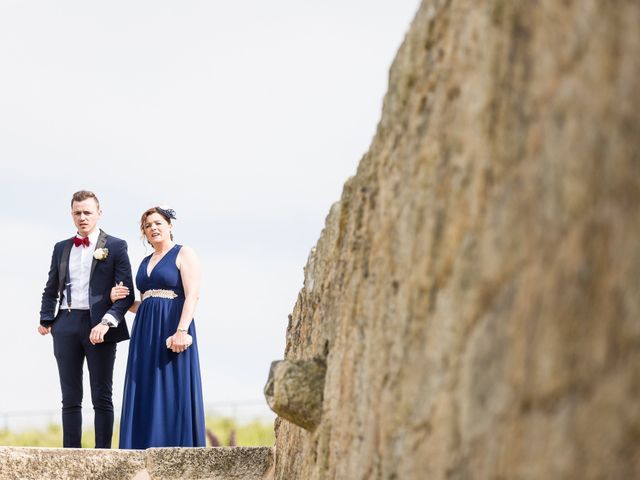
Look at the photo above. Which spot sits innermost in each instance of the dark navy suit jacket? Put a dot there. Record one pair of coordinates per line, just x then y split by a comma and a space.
104, 275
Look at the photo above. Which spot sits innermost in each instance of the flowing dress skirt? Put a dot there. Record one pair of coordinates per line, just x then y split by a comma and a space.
162, 404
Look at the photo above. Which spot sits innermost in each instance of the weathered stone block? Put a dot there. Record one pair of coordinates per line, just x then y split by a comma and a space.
222, 463
218, 463
476, 290
294, 391
27, 463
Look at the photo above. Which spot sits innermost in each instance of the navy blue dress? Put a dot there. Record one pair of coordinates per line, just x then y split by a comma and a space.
162, 404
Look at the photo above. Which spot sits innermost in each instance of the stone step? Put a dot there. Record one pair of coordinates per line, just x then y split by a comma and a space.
218, 463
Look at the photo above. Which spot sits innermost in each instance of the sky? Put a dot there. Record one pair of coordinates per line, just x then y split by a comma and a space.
245, 117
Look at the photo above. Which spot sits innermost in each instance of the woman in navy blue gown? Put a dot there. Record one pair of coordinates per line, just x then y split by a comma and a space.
162, 404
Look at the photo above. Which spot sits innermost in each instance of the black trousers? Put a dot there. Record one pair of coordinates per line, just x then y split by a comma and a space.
71, 346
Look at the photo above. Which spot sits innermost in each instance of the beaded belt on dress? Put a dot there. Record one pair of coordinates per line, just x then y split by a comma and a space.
170, 294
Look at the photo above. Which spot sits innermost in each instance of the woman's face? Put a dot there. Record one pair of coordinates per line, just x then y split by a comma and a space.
157, 229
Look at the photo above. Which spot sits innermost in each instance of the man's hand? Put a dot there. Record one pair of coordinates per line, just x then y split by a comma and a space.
97, 333
42, 330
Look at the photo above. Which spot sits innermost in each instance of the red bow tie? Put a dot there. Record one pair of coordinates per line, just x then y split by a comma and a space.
77, 241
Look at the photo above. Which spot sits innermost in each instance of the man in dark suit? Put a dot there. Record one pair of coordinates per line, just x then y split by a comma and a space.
87, 324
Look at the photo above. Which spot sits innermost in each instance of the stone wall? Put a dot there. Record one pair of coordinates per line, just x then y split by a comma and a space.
475, 294
220, 463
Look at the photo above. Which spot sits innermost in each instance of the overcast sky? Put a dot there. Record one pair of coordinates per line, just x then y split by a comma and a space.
246, 117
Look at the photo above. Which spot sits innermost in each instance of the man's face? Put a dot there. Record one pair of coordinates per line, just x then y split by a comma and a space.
85, 215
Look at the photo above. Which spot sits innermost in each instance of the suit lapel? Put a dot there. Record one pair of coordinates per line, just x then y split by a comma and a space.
102, 241
63, 269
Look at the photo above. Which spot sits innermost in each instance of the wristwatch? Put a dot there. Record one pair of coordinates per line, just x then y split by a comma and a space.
107, 323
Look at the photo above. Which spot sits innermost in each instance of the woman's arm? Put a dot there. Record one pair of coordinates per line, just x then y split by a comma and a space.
189, 266
134, 306
122, 291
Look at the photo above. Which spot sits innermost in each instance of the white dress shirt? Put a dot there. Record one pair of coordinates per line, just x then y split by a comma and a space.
80, 260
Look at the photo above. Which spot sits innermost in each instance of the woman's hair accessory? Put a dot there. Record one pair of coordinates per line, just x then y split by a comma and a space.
167, 212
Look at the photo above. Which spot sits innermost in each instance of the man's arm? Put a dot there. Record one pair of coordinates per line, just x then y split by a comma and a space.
50, 294
122, 274
115, 315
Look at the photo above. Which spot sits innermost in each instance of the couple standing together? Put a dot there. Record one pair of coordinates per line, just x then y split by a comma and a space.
91, 288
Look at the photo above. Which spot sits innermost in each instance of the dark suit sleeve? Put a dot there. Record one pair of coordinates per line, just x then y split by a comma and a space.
50, 294
122, 274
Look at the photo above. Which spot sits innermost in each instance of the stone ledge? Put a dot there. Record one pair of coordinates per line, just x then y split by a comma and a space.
219, 463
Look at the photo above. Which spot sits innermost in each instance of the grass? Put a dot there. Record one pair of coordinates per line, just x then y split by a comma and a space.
248, 434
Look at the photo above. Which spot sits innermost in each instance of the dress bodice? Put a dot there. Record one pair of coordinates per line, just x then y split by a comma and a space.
164, 276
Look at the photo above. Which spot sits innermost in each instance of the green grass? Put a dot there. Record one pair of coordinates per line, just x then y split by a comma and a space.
50, 436
249, 434
252, 434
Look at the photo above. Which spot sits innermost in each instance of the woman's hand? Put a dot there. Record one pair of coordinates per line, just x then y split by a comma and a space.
119, 292
179, 341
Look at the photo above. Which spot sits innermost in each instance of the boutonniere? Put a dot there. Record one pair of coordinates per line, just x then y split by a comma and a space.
101, 254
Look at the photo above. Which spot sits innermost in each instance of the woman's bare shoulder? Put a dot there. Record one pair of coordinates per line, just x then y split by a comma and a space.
186, 255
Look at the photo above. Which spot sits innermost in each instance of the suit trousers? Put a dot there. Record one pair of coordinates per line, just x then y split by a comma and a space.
71, 346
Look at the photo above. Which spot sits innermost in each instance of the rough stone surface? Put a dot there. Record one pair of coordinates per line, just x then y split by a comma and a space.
222, 463
219, 463
295, 389
476, 290
27, 463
